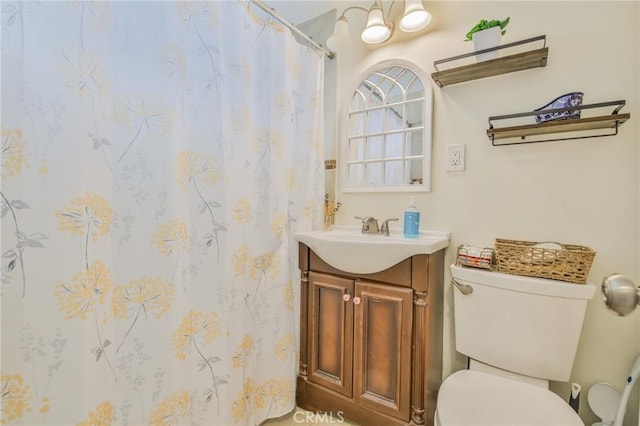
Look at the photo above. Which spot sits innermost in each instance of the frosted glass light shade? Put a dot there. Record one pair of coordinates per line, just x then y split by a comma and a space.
415, 17
340, 34
376, 30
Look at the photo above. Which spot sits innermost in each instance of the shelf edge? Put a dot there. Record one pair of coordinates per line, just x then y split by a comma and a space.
517, 62
563, 126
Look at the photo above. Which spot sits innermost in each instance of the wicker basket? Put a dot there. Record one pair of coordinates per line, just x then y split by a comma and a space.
567, 263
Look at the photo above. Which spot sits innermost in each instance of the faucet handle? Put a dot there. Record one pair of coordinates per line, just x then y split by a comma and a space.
384, 229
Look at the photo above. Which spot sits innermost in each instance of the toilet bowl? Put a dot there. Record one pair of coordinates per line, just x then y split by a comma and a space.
519, 333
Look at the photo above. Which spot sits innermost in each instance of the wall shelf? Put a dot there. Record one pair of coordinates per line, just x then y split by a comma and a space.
515, 62
611, 121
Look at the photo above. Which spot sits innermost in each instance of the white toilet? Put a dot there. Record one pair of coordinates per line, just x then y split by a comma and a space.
519, 333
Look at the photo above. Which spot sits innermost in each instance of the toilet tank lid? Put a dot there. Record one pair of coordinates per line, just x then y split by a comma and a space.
540, 286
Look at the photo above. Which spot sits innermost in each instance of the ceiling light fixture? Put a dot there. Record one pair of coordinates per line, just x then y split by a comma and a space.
415, 17
378, 29
340, 33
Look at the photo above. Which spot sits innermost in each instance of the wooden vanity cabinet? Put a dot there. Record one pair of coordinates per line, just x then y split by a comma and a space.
371, 344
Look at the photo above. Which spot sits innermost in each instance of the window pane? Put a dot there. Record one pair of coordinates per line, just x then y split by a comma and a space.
415, 171
415, 90
395, 71
406, 78
376, 97
357, 102
395, 95
364, 88
356, 124
414, 143
374, 121
356, 174
356, 150
414, 114
375, 77
393, 173
374, 173
374, 148
384, 84
394, 118
393, 146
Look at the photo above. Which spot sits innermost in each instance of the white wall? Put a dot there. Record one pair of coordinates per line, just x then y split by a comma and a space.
581, 192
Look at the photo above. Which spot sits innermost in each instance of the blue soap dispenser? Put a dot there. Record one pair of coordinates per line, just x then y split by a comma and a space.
411, 220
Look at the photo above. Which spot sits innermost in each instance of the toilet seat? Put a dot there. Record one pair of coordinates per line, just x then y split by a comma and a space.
476, 398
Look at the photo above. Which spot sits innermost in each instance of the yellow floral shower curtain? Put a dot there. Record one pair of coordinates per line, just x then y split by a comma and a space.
157, 158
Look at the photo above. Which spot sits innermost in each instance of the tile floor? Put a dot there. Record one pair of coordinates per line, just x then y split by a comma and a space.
301, 417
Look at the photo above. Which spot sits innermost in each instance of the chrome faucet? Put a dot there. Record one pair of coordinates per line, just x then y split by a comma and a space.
369, 224
384, 229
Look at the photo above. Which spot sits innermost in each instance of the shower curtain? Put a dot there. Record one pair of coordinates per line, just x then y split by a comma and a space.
157, 158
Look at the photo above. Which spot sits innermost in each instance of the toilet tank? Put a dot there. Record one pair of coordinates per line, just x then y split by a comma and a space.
527, 325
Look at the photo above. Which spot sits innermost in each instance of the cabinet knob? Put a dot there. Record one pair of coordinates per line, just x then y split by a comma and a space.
346, 297
356, 300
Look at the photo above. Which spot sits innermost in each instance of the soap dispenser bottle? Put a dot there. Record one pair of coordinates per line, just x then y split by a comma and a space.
411, 220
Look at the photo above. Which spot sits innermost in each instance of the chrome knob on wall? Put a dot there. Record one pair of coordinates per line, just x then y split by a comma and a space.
620, 294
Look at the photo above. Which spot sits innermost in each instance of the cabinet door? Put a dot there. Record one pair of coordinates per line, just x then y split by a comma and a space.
331, 332
382, 348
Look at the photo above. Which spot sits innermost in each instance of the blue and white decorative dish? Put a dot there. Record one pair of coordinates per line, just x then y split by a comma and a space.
564, 101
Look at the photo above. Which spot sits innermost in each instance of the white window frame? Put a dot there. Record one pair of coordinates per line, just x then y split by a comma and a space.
427, 109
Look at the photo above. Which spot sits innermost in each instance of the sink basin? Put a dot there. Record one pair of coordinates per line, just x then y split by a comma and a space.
347, 249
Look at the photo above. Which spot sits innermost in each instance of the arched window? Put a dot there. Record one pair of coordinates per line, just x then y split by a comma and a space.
389, 133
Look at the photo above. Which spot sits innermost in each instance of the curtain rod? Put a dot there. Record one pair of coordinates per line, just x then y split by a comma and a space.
271, 11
